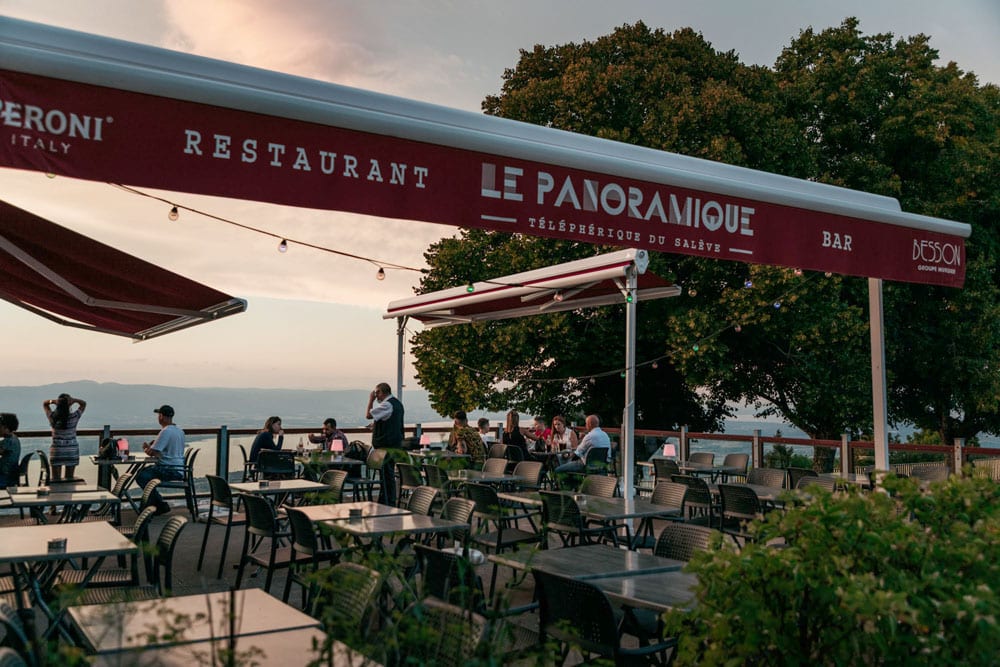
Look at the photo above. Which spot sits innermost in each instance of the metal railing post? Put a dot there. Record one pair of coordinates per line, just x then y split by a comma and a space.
846, 463
104, 472
757, 450
222, 453
958, 455
682, 444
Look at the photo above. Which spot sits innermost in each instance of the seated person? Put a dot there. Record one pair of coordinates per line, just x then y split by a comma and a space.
265, 439
167, 450
561, 438
595, 438
512, 436
10, 450
465, 440
538, 431
331, 439
485, 432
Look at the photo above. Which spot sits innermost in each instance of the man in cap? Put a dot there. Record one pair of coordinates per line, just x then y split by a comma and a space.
167, 451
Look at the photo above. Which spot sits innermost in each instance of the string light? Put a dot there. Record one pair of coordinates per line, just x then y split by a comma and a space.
470, 288
381, 274
628, 298
173, 215
737, 328
828, 274
798, 272
558, 296
655, 365
283, 246
748, 283
777, 305
695, 347
692, 292
50, 174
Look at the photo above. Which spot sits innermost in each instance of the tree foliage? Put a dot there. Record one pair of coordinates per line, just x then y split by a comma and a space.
864, 112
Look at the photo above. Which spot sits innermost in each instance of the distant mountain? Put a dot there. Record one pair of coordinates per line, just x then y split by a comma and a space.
131, 405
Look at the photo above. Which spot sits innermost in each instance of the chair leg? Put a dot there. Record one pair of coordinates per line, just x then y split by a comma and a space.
243, 560
288, 582
225, 547
204, 539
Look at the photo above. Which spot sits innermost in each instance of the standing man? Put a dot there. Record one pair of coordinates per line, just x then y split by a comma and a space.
167, 450
595, 437
387, 429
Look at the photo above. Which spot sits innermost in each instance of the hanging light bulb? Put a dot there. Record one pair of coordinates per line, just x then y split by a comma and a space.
798, 272
623, 373
695, 347
283, 246
593, 380
777, 305
628, 298
470, 288
737, 328
692, 292
748, 283
50, 174
655, 365
828, 274
381, 274
558, 296
174, 214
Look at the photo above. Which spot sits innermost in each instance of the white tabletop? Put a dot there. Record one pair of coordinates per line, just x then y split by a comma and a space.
83, 540
111, 628
278, 486
31, 498
338, 511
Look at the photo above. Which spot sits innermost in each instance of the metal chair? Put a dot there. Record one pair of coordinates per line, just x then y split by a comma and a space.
561, 515
596, 461
221, 511
599, 485
336, 480
578, 615
774, 477
664, 468
435, 632
740, 461
345, 597
698, 507
795, 474
703, 458
186, 482
495, 466
494, 529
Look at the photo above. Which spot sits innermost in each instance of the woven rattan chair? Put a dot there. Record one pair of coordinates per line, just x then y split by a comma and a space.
602, 486
221, 512
680, 541
345, 599
422, 499
433, 632
409, 479
262, 524
11, 658
670, 495
740, 461
795, 474
704, 458
664, 468
455, 509
531, 472
561, 515
336, 480
186, 482
827, 483
578, 615
15, 635
775, 478
698, 505
495, 466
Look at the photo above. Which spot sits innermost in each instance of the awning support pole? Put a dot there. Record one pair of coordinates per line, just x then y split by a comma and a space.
879, 403
627, 446
400, 330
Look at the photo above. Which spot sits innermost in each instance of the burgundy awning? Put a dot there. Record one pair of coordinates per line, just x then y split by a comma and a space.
76, 281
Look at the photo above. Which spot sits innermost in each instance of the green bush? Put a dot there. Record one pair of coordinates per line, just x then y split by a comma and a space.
907, 578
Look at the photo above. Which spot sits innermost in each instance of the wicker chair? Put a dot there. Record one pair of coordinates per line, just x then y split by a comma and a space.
186, 482
11, 658
578, 615
596, 461
740, 461
775, 478
345, 599
532, 472
262, 524
422, 499
495, 466
409, 479
15, 635
602, 486
336, 480
494, 530
740, 505
795, 474
561, 515
221, 512
698, 505
455, 509
826, 483
680, 541
663, 469
670, 495
497, 451
120, 576
704, 458
437, 633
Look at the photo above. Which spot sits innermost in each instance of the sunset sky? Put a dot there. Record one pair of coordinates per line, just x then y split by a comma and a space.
314, 320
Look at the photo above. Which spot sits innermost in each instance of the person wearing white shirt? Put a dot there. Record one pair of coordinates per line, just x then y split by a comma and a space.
595, 437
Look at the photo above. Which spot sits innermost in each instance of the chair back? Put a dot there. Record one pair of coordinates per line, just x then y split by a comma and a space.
303, 532
575, 612
776, 478
422, 499
531, 472
486, 500
704, 458
664, 468
740, 461
118, 489
739, 502
14, 631
140, 535
166, 545
261, 520
459, 509
497, 450
668, 493
599, 485
11, 658
436, 476
596, 461
45, 471
495, 466
276, 464
249, 469
22, 469
680, 541
513, 454
409, 475
560, 511
930, 472
335, 479
698, 499
827, 483
220, 494
437, 633
451, 578
795, 474
348, 593
147, 491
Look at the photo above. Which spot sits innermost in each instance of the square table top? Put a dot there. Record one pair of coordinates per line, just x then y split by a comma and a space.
599, 508
328, 459
706, 468
660, 591
483, 477
286, 648
83, 540
116, 627
591, 561
278, 486
29, 497
401, 524
130, 460
767, 494
437, 454
339, 511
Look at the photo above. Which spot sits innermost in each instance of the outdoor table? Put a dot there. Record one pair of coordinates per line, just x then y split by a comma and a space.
108, 468
859, 479
591, 561
285, 648
375, 528
712, 470
437, 454
118, 627
341, 511
328, 461
600, 508
660, 591
26, 550
483, 477
70, 501
277, 490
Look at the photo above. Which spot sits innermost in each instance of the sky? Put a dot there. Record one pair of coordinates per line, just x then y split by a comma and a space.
314, 321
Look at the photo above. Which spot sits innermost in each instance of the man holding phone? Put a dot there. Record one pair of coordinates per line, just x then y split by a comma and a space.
387, 412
